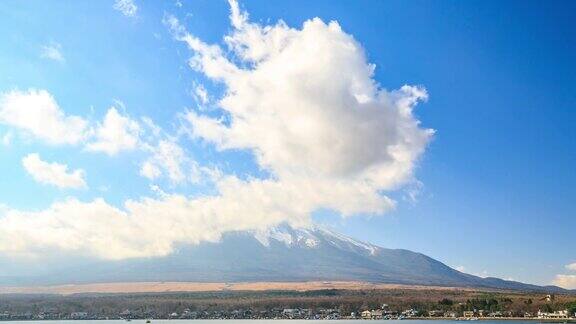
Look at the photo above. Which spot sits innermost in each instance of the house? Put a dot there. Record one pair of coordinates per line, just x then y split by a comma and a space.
78, 315
291, 312
450, 314
468, 314
376, 314
410, 313
435, 313
126, 314
496, 314
366, 314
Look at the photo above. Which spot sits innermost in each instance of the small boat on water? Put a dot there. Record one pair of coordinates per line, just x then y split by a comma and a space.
148, 321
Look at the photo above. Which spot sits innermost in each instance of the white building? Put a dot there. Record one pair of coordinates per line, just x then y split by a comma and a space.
556, 314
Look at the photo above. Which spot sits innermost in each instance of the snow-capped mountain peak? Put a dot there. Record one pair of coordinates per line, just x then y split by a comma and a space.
311, 237
288, 236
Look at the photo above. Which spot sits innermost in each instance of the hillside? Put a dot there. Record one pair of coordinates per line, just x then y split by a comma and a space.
281, 254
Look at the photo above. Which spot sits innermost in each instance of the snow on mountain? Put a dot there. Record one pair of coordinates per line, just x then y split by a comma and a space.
278, 254
288, 236
311, 238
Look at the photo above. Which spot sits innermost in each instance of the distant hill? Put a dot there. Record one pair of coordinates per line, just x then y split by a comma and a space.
281, 254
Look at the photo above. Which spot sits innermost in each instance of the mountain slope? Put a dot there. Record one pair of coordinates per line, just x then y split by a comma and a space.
280, 254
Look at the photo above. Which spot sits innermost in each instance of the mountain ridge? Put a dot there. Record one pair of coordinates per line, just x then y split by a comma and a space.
279, 254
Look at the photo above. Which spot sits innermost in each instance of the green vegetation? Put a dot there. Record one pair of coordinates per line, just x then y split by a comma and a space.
446, 302
571, 307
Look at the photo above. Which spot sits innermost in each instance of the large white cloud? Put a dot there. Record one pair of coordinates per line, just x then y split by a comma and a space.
36, 113
303, 101
571, 266
55, 174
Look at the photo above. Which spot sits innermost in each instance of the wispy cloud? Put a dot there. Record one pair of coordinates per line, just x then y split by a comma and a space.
116, 133
52, 51
7, 139
127, 7
482, 274
571, 266
200, 94
55, 174
167, 157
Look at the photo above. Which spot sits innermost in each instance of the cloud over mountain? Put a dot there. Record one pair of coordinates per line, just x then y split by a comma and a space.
565, 281
303, 101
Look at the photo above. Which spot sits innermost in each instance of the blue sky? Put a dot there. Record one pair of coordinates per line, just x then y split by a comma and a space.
494, 185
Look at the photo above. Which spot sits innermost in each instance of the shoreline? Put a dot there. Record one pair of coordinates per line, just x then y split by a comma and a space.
540, 320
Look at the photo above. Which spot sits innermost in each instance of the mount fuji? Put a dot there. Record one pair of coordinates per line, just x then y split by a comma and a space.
280, 254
